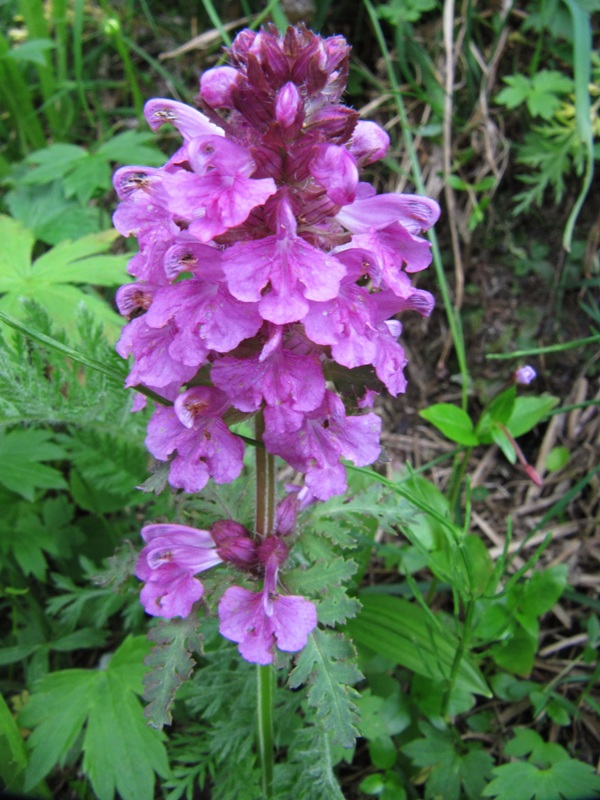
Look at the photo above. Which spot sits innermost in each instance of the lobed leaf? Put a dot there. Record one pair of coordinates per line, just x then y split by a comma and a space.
327, 664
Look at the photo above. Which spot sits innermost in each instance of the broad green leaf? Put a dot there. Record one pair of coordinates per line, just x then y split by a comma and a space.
52, 162
403, 632
51, 217
543, 590
57, 711
48, 281
499, 411
132, 147
120, 752
504, 443
568, 780
33, 51
13, 754
450, 768
517, 654
528, 411
87, 177
452, 421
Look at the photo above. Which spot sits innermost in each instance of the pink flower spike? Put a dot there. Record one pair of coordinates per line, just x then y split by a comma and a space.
260, 622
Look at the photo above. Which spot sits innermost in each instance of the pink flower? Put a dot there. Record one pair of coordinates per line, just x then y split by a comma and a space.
172, 556
327, 435
259, 622
525, 375
205, 446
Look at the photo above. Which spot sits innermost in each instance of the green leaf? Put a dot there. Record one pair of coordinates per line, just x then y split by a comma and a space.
32, 51
452, 421
120, 752
132, 147
327, 664
543, 590
50, 215
48, 280
500, 438
87, 177
449, 767
403, 632
568, 779
540, 93
51, 163
13, 755
21, 452
528, 411
558, 458
171, 665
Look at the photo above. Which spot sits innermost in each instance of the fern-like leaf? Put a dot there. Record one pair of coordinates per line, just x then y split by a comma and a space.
327, 664
172, 663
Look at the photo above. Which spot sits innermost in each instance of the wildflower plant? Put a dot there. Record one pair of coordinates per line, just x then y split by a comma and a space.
267, 273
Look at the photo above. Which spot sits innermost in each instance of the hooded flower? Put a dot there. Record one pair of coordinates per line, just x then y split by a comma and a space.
167, 565
260, 622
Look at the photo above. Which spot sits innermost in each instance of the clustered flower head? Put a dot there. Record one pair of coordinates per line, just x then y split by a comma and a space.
266, 270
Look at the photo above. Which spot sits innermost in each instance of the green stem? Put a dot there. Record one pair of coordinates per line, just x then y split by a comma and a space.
458, 473
265, 684
264, 524
459, 655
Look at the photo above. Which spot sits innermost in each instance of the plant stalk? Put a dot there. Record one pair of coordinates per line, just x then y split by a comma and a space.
265, 683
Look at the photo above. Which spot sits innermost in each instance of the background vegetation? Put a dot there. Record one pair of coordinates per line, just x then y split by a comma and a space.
477, 642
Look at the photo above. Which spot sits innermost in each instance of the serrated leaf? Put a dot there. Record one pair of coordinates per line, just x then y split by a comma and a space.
172, 664
569, 780
403, 632
449, 769
327, 665
51, 163
452, 421
21, 452
87, 177
132, 147
50, 216
48, 280
120, 751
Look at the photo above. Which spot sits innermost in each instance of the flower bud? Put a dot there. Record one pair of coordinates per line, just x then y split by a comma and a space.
216, 87
275, 548
525, 375
289, 107
369, 142
234, 543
